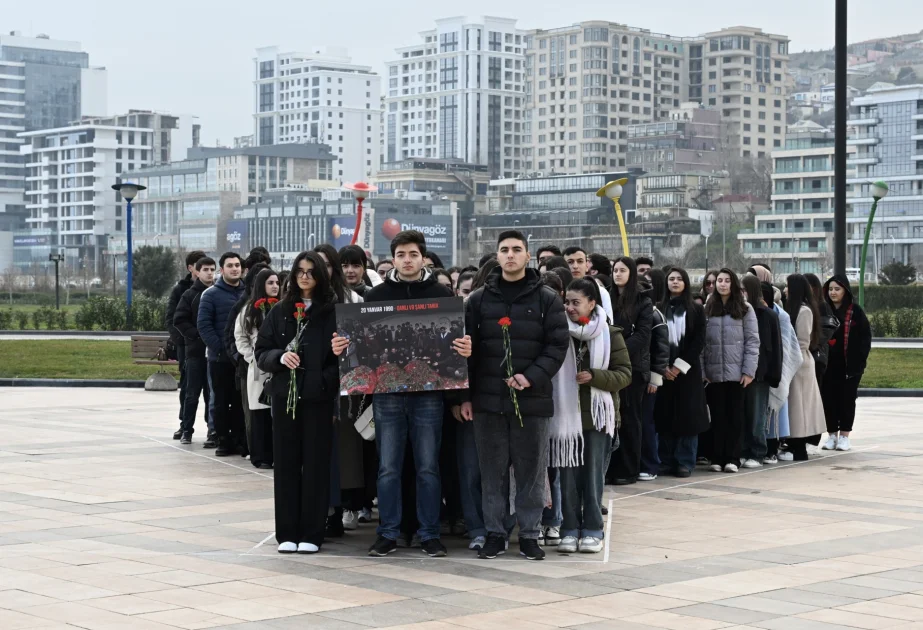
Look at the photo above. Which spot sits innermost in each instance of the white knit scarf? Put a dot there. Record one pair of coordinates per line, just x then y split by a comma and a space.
566, 430
596, 334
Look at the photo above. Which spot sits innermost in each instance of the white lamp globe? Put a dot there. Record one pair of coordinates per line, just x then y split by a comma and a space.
614, 191
879, 190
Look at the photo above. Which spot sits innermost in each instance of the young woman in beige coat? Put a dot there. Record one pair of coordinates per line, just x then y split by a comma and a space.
805, 407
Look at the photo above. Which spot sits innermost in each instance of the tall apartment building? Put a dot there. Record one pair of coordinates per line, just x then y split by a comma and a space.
459, 94
742, 71
69, 174
321, 96
887, 131
796, 234
689, 140
587, 83
44, 84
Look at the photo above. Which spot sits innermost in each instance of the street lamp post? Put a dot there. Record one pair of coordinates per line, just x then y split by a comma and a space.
56, 259
128, 191
361, 192
281, 252
613, 191
879, 192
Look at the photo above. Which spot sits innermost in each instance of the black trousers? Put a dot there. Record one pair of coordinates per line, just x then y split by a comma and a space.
839, 396
626, 461
448, 470
196, 369
261, 437
229, 413
181, 357
302, 448
726, 404
798, 447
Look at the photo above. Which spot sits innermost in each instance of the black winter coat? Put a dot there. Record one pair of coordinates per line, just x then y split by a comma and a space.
538, 340
318, 376
172, 302
680, 408
769, 366
859, 345
660, 347
395, 289
637, 332
828, 326
186, 320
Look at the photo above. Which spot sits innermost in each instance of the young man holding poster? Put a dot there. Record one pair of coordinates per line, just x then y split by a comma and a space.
513, 315
418, 414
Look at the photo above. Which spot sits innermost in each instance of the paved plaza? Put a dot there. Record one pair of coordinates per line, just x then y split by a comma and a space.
105, 523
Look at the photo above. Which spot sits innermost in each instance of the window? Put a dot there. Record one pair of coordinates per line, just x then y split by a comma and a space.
448, 42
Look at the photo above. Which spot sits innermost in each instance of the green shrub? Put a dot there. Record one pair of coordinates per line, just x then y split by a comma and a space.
907, 322
881, 297
881, 323
37, 319
22, 318
109, 313
6, 319
85, 317
61, 320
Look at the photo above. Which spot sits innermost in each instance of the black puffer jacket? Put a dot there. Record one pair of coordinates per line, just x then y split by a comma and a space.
637, 331
660, 348
854, 350
318, 376
172, 302
393, 288
186, 320
828, 326
538, 340
769, 366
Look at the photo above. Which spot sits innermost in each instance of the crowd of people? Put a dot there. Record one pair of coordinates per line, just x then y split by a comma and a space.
583, 371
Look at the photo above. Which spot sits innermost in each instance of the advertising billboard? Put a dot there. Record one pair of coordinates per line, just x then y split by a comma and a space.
438, 230
237, 237
29, 241
340, 230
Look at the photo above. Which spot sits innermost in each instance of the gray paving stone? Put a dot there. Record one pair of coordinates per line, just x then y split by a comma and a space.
779, 606
397, 613
402, 587
814, 599
476, 602
796, 623
854, 591
729, 614
875, 582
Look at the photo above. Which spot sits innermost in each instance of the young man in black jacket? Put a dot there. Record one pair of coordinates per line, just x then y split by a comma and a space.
178, 342
417, 414
185, 320
538, 334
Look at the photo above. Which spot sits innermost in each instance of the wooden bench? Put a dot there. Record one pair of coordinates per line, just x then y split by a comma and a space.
145, 350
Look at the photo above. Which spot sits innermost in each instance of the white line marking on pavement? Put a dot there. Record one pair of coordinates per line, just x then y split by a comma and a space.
214, 459
727, 477
259, 544
608, 531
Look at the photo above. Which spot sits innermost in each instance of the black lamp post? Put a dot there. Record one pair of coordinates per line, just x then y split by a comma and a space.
56, 259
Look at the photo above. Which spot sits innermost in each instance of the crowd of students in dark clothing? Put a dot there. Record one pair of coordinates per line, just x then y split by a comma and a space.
583, 371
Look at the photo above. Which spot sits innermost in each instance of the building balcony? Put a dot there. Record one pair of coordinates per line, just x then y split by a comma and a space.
862, 140
855, 161
917, 136
916, 157
917, 116
863, 122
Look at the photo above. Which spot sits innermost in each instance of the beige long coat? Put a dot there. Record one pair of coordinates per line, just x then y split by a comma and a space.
805, 407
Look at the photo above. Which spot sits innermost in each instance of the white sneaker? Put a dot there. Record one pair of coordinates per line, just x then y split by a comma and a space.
365, 515
843, 444
770, 459
288, 547
541, 538
646, 477
830, 444
477, 543
350, 520
730, 468
715, 468
568, 545
752, 463
589, 544
785, 456
810, 449
552, 536
308, 548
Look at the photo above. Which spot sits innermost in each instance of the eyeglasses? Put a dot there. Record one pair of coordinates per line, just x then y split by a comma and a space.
304, 273
709, 283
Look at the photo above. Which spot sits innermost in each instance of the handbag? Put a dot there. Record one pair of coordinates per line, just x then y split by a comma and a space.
365, 424
266, 395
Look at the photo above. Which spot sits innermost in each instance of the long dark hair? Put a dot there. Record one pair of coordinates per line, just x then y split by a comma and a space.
625, 299
658, 286
800, 292
754, 290
588, 288
702, 291
254, 317
736, 306
323, 294
480, 278
337, 279
817, 288
686, 295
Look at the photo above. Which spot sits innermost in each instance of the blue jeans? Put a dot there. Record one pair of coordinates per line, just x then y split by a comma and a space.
678, 450
582, 488
756, 421
469, 479
553, 516
419, 416
210, 415
650, 462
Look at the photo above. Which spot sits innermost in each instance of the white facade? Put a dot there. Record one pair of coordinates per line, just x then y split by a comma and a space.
887, 132
459, 94
319, 97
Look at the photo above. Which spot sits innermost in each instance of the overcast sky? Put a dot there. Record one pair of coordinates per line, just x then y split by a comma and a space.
195, 56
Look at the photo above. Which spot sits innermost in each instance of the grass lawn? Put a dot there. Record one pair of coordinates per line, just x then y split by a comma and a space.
75, 358
70, 358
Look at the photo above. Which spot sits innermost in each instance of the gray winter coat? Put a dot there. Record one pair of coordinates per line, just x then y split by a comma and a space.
732, 348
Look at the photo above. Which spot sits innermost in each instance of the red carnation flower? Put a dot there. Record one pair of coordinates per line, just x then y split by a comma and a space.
831, 342
259, 303
300, 306
273, 301
505, 321
583, 321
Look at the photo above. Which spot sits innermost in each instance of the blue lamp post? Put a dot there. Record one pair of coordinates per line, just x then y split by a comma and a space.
128, 191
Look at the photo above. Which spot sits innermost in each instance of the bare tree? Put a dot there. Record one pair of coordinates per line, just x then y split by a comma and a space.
10, 277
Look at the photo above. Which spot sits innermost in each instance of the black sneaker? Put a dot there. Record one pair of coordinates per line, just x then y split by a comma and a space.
186, 438
178, 434
211, 440
382, 547
529, 548
334, 527
495, 546
225, 448
433, 548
